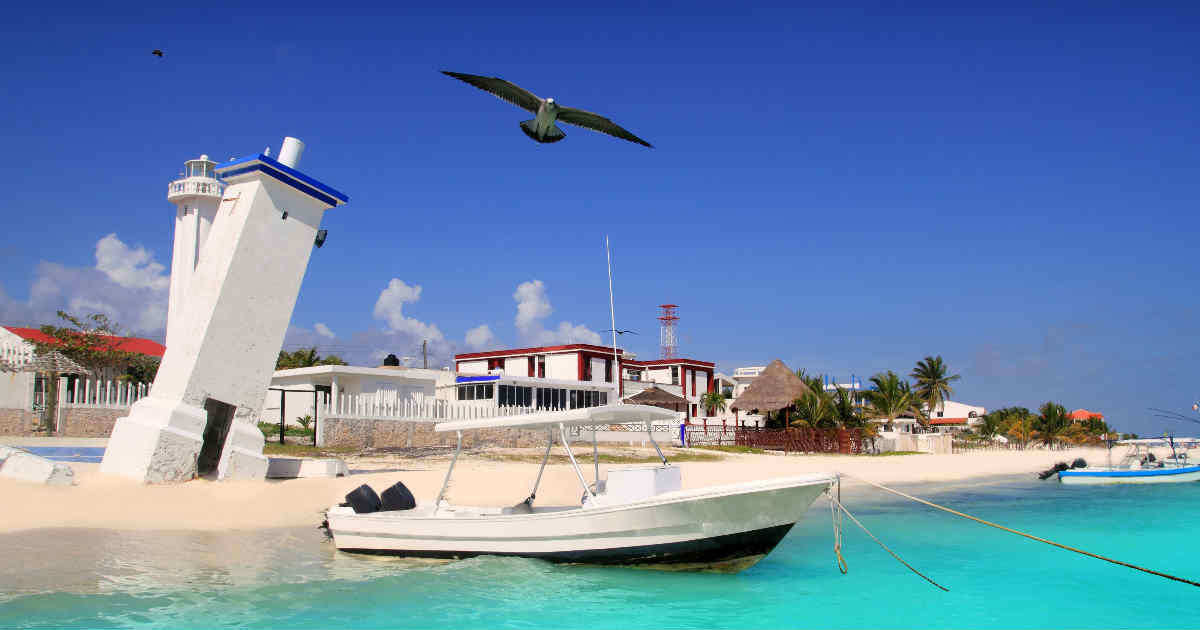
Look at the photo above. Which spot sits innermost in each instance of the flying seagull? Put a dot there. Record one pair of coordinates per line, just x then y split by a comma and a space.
542, 128
620, 332
156, 52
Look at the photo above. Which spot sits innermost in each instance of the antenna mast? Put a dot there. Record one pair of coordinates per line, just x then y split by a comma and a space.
668, 342
612, 312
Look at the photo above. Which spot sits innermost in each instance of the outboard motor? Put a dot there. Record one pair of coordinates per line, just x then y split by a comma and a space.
363, 499
1079, 463
397, 498
1046, 474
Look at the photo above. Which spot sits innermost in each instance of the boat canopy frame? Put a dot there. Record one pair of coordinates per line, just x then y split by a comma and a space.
639, 414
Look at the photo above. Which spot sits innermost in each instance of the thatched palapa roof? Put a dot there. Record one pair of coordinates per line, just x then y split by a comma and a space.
656, 397
772, 390
54, 361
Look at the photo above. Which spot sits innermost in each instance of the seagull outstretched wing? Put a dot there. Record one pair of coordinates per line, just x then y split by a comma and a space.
510, 92
596, 122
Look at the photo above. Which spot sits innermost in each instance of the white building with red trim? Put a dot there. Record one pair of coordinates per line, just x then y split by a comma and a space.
688, 378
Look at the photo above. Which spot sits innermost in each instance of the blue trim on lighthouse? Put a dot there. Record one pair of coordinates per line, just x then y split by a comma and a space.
284, 174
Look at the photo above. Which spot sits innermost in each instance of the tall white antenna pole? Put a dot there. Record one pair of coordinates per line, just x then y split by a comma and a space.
613, 314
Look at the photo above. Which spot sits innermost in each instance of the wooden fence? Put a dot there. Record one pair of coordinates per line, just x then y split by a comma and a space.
803, 440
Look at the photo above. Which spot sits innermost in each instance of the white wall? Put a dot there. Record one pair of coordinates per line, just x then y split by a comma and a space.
657, 375
473, 367
16, 389
517, 366
563, 366
598, 370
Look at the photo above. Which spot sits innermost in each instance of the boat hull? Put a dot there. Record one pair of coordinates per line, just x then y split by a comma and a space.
725, 527
1180, 474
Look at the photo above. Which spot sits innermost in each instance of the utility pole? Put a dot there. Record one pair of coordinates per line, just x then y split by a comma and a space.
424, 354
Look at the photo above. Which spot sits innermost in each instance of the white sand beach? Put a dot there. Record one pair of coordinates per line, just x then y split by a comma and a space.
102, 501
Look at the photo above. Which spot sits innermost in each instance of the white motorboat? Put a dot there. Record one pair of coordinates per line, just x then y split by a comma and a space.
1140, 465
638, 515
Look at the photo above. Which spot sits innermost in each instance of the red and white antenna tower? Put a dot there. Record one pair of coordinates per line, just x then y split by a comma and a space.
668, 342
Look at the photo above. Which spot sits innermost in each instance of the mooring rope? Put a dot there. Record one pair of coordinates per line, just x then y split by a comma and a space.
842, 508
836, 517
1019, 533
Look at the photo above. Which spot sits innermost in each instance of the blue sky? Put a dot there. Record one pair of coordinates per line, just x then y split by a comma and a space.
848, 188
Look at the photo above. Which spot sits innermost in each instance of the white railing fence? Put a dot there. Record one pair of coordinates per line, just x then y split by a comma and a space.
376, 407
102, 394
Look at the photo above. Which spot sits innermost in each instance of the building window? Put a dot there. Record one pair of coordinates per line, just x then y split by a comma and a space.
674, 374
530, 366
603, 398
693, 383
608, 370
939, 414
587, 369
541, 367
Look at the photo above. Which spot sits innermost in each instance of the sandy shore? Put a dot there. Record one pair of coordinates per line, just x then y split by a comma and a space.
101, 501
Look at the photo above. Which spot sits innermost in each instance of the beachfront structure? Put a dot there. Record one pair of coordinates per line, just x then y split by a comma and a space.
744, 376
20, 389
199, 416
587, 363
952, 416
298, 392
1083, 415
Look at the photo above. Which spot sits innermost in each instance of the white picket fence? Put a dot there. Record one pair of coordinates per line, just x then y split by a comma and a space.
102, 394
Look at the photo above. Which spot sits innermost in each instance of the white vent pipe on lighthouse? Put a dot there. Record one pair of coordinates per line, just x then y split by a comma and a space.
289, 153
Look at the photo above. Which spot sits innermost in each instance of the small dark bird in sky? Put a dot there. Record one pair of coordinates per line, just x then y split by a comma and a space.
620, 332
542, 128
156, 52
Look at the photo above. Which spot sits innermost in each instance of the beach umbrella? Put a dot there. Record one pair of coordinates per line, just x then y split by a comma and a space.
53, 362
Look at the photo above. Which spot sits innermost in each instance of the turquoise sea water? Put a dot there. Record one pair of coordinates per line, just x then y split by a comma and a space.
292, 578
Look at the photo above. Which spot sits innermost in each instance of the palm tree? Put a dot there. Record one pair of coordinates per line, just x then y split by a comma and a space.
890, 397
813, 409
933, 384
845, 409
1053, 424
714, 402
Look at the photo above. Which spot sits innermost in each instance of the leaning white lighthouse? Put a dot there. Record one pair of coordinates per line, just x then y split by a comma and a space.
196, 196
236, 273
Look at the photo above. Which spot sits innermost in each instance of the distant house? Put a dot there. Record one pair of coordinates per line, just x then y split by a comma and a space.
299, 392
1083, 415
955, 416
20, 389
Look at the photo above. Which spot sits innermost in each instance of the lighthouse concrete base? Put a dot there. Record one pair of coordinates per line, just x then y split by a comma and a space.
159, 441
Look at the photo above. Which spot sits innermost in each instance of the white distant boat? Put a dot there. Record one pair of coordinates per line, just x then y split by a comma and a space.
639, 515
1140, 465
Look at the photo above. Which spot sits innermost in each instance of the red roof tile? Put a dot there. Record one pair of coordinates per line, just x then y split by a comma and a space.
1084, 414
127, 344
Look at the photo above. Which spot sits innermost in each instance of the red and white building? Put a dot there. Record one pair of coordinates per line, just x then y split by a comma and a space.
688, 378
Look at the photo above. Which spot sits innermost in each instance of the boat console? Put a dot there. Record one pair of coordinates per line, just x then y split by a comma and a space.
635, 483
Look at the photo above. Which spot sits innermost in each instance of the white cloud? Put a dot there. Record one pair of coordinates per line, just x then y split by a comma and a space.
390, 309
130, 268
323, 330
533, 306
480, 337
126, 284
